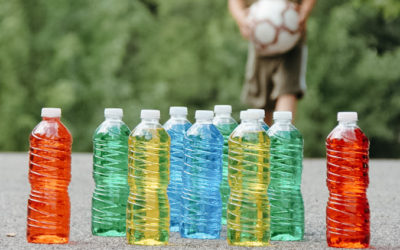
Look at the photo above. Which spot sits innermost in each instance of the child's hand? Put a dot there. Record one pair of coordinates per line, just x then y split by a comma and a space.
304, 11
302, 21
245, 28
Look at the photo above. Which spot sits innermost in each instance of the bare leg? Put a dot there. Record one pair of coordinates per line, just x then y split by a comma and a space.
287, 103
268, 118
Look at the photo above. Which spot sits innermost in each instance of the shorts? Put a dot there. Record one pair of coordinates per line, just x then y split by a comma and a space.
267, 78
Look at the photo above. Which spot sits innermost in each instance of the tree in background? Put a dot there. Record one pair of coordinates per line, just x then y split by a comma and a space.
354, 55
85, 55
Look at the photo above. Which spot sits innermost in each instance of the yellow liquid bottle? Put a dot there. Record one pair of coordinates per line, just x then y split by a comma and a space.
147, 218
248, 212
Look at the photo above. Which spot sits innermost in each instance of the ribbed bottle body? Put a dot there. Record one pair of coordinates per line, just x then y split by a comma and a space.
176, 130
284, 191
226, 127
49, 176
248, 221
202, 174
148, 177
110, 173
347, 212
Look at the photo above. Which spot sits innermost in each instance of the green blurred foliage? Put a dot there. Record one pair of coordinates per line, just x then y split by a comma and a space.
353, 65
84, 55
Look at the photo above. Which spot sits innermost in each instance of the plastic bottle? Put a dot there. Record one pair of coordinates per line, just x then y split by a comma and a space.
261, 116
248, 222
176, 127
110, 173
201, 197
49, 176
347, 211
284, 191
225, 124
148, 209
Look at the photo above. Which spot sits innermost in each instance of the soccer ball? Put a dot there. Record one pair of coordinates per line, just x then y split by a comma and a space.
274, 26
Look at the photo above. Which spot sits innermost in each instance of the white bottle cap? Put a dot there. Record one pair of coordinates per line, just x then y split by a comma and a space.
223, 109
261, 112
204, 115
150, 114
347, 116
113, 113
178, 110
51, 112
249, 115
241, 114
282, 115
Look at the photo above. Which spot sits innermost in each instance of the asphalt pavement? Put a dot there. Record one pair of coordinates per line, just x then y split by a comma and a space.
383, 194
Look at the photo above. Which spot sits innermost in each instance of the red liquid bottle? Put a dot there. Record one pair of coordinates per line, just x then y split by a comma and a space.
347, 211
49, 176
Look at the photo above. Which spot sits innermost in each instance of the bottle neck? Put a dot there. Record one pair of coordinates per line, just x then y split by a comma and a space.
179, 117
223, 115
113, 118
348, 123
152, 120
283, 121
250, 121
51, 118
204, 121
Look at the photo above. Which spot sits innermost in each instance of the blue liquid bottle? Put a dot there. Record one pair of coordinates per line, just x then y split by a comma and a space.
202, 174
261, 115
176, 127
287, 208
225, 124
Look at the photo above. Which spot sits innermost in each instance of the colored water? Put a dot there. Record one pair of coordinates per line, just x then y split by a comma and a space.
148, 209
347, 212
49, 176
287, 208
201, 198
264, 125
248, 221
176, 129
225, 126
110, 173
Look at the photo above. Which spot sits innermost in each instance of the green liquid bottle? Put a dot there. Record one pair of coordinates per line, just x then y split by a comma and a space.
287, 208
225, 124
110, 172
248, 221
147, 216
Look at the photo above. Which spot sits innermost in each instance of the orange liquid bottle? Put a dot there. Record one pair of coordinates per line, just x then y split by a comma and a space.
49, 176
347, 211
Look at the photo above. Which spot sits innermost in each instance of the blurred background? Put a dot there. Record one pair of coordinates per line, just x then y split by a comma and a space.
85, 55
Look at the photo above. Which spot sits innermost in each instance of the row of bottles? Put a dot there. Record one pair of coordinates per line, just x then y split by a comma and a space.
175, 177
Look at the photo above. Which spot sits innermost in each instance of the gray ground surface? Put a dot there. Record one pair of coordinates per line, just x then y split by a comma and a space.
383, 195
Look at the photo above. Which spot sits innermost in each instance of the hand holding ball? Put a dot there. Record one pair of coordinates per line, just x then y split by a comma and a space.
274, 26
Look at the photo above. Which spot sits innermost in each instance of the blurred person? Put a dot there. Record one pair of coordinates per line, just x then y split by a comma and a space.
273, 82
